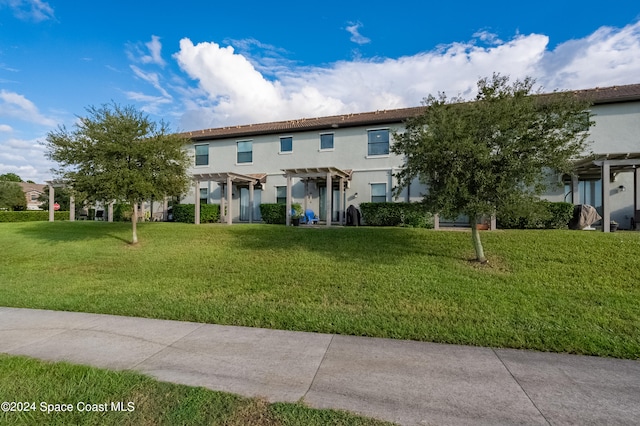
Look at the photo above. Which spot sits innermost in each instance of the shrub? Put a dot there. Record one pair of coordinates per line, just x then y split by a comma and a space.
538, 214
209, 213
31, 216
396, 214
122, 212
274, 213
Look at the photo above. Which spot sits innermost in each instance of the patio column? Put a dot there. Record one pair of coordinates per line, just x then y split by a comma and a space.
72, 208
306, 195
110, 212
341, 202
606, 209
196, 212
492, 223
288, 205
329, 196
230, 198
52, 196
222, 203
251, 202
575, 189
636, 189
165, 209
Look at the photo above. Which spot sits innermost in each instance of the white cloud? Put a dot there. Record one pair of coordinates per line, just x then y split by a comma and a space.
25, 158
5, 128
151, 55
152, 78
354, 29
235, 88
30, 10
17, 106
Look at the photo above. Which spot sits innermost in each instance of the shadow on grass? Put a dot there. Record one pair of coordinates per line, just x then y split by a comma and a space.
65, 231
358, 244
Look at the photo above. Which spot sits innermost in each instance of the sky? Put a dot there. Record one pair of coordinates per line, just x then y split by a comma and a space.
207, 64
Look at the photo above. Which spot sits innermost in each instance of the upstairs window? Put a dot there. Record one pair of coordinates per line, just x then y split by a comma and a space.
326, 141
245, 152
202, 155
378, 142
286, 144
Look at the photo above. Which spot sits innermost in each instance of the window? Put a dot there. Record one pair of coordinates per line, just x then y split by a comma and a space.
286, 144
204, 196
378, 142
34, 197
281, 194
326, 141
245, 152
202, 155
378, 192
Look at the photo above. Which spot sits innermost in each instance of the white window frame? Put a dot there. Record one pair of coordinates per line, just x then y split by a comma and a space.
389, 143
321, 149
280, 151
249, 163
195, 155
386, 196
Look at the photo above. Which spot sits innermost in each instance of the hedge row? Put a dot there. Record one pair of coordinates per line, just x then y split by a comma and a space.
540, 214
209, 213
31, 216
396, 214
274, 213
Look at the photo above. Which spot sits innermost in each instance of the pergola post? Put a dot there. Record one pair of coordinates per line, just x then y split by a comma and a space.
110, 211
196, 212
575, 190
165, 209
52, 196
492, 223
636, 189
329, 197
606, 209
436, 221
72, 208
251, 202
230, 198
288, 205
341, 202
306, 195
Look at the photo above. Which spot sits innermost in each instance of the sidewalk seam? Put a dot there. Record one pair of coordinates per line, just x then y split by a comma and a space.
135, 367
326, 351
520, 385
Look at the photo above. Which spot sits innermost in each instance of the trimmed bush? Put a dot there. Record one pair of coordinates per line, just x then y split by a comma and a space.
31, 216
539, 214
209, 213
412, 215
122, 212
274, 213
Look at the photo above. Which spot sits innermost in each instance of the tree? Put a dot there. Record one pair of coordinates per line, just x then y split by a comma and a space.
117, 153
477, 157
11, 196
10, 177
63, 198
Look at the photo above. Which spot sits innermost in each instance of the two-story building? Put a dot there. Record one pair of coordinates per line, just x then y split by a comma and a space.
329, 163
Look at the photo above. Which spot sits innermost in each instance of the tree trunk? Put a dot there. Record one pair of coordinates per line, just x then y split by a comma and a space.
134, 224
477, 244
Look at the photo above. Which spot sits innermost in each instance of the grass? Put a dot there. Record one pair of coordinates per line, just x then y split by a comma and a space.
153, 402
562, 291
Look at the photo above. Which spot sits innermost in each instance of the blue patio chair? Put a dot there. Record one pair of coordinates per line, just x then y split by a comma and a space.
309, 217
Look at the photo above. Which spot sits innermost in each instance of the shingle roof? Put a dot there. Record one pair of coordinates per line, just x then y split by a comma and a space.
598, 95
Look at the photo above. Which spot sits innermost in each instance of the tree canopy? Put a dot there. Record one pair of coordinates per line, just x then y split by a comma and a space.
118, 153
10, 177
11, 196
478, 157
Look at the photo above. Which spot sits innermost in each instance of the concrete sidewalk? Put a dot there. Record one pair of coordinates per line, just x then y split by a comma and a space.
407, 382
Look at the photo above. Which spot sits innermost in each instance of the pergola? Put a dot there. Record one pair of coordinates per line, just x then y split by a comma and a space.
602, 167
229, 179
316, 173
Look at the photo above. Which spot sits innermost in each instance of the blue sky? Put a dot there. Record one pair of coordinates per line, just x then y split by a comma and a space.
206, 64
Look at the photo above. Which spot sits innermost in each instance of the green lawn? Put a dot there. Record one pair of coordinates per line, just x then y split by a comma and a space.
564, 291
50, 387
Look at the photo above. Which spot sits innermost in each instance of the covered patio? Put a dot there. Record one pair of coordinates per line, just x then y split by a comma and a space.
328, 174
604, 167
228, 179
